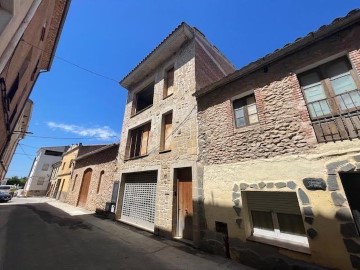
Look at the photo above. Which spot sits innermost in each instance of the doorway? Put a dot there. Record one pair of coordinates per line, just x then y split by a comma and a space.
55, 194
84, 189
351, 184
184, 203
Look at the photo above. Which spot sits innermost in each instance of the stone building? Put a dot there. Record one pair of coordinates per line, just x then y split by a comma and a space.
66, 168
40, 172
280, 151
29, 33
92, 178
160, 181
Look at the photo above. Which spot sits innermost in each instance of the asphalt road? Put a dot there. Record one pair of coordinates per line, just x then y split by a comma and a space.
36, 234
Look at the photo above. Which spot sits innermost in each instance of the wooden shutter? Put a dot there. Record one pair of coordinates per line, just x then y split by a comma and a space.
144, 139
279, 202
167, 131
170, 82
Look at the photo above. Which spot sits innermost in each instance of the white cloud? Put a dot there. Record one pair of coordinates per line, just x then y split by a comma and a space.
101, 133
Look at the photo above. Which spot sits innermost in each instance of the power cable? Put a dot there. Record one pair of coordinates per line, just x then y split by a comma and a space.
70, 138
73, 64
22, 149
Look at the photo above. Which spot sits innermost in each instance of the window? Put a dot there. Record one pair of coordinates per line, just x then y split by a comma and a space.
245, 111
330, 89
73, 187
138, 141
40, 181
169, 82
63, 166
45, 167
70, 163
52, 153
144, 99
43, 30
166, 132
276, 216
100, 179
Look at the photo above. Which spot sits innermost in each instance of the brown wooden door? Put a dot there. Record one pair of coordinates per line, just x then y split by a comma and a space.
84, 190
185, 204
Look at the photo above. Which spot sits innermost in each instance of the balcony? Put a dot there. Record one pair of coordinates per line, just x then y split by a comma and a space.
336, 118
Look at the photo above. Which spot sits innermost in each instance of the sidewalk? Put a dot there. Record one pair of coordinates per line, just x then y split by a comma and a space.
169, 252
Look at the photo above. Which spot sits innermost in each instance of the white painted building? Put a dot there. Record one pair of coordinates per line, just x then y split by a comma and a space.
39, 176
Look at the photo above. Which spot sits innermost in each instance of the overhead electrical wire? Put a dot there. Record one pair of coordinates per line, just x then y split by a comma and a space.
22, 149
73, 64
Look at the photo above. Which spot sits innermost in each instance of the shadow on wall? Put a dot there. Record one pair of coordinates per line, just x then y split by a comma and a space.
223, 228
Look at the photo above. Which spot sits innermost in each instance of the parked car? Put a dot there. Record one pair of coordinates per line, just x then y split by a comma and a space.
9, 189
4, 196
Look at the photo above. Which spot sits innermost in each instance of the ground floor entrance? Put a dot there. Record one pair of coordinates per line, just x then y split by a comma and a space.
183, 178
138, 204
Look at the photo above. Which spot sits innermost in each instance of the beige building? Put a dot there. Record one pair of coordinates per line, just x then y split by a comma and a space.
92, 180
161, 183
54, 183
280, 150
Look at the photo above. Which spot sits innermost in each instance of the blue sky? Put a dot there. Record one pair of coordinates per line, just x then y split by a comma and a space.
111, 37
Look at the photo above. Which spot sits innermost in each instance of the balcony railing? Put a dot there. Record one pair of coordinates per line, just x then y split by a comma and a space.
336, 118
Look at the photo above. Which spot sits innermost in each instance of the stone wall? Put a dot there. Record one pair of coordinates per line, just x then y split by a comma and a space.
284, 125
184, 136
280, 153
98, 162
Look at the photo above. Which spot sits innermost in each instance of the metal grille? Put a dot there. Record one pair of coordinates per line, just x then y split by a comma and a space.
139, 199
341, 123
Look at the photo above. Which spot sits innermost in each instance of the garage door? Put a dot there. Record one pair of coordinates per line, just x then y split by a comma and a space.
139, 199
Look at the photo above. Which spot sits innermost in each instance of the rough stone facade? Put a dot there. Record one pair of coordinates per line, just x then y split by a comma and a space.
280, 153
99, 193
189, 63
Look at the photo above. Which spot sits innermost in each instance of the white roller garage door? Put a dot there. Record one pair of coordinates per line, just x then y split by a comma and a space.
139, 199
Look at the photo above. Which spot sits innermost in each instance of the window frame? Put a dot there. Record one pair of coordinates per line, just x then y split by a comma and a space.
134, 110
131, 137
166, 82
275, 237
325, 81
99, 182
163, 139
244, 97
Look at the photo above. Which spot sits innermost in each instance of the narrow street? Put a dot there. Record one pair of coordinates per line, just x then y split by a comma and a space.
41, 233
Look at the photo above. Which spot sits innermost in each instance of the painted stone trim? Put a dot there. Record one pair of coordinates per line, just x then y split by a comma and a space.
303, 197
338, 198
332, 182
291, 185
347, 168
312, 233
344, 214
314, 183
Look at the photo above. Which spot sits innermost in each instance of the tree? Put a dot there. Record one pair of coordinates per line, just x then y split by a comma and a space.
15, 180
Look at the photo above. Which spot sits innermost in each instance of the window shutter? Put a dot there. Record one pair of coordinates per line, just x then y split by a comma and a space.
279, 202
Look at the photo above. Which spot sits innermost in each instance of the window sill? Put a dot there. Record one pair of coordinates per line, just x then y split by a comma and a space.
168, 96
164, 151
133, 158
139, 112
294, 246
246, 128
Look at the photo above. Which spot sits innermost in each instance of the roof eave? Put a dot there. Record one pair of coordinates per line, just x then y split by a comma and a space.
163, 51
302, 43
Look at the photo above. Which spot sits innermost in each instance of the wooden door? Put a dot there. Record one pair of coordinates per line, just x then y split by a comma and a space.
185, 204
84, 190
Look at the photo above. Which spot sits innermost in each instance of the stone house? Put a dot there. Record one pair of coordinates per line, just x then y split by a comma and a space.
66, 168
29, 33
160, 180
280, 151
92, 180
